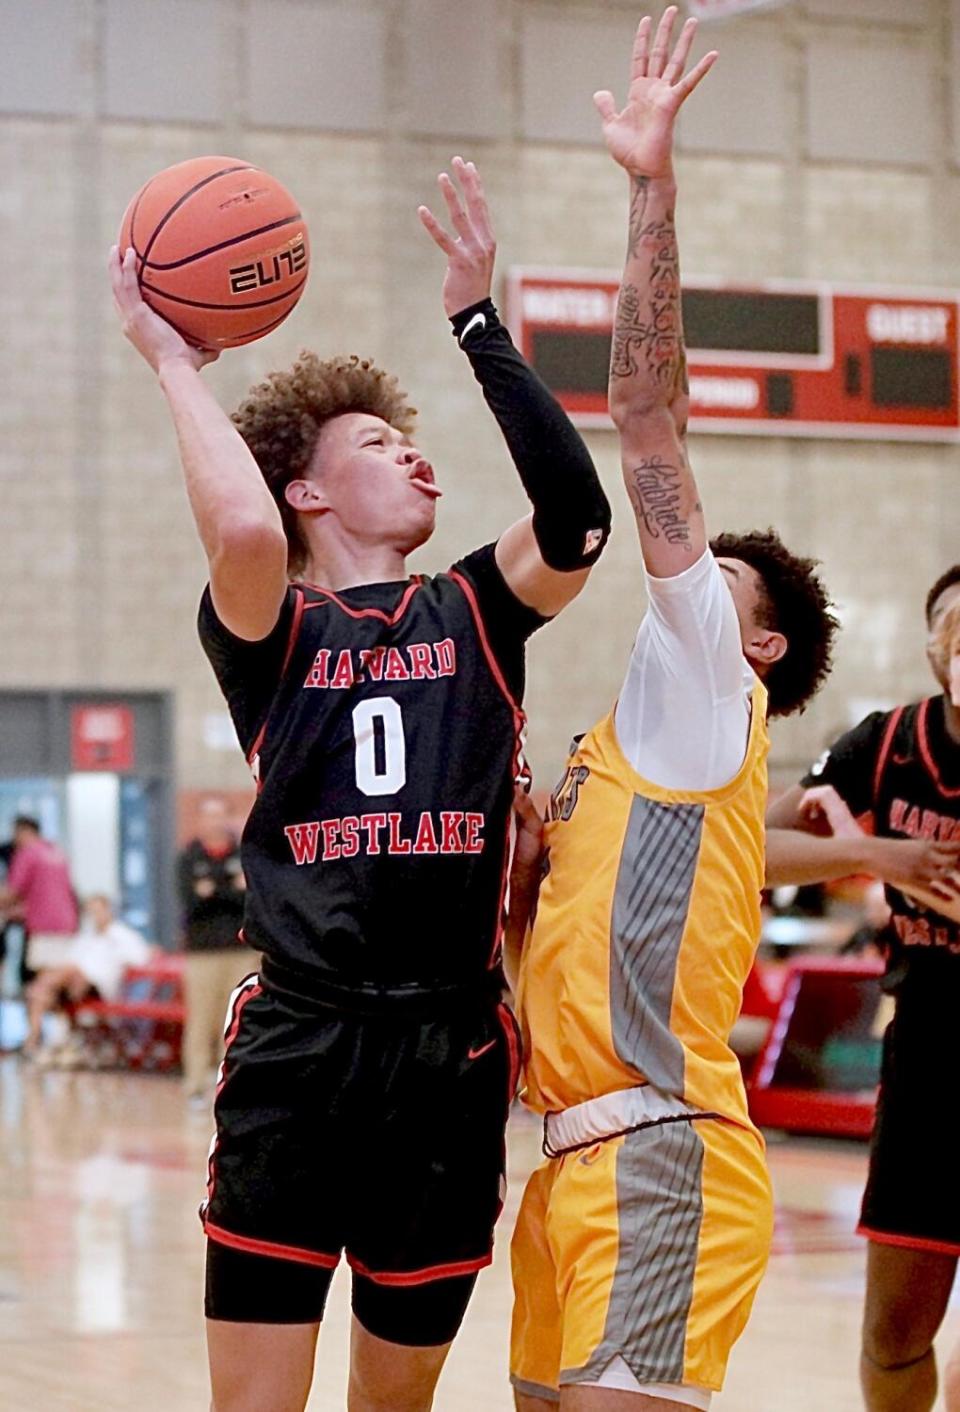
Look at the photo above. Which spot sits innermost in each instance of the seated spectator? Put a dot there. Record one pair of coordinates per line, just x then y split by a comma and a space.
99, 955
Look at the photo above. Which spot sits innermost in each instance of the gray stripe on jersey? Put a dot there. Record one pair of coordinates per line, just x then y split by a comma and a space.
650, 905
660, 1212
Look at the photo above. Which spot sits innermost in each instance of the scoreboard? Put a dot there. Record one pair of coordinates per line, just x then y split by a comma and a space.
782, 358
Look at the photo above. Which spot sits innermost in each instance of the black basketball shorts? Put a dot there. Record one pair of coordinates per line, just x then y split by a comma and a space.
380, 1137
911, 1194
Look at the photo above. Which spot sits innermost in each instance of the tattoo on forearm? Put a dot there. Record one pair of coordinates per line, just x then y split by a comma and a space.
631, 334
654, 487
639, 192
647, 334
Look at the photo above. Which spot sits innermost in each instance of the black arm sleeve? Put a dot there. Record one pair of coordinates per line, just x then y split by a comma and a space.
571, 514
850, 763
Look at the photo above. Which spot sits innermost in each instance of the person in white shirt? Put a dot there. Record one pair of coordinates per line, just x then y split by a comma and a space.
98, 956
105, 947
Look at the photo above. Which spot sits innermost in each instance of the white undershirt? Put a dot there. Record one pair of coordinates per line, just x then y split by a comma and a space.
683, 717
104, 956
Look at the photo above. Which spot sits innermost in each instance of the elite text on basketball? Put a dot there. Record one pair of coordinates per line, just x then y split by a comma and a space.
270, 268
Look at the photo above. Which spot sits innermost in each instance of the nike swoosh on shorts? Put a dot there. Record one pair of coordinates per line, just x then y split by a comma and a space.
475, 1053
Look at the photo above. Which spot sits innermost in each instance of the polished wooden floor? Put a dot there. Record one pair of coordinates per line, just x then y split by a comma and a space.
101, 1264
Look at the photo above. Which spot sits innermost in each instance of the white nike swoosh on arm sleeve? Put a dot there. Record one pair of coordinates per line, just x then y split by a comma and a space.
478, 321
683, 716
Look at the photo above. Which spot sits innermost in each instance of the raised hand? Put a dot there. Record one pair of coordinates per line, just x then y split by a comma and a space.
471, 254
640, 137
153, 338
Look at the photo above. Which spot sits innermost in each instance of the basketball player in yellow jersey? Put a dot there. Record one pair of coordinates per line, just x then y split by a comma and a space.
642, 1239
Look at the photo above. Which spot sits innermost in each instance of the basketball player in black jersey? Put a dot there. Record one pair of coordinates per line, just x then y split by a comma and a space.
897, 775
370, 1065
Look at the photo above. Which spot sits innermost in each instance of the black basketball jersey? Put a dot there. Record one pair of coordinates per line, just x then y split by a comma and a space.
384, 729
899, 774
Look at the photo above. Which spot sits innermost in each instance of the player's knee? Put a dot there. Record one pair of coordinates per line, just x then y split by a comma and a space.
240, 1384
889, 1343
253, 1395
398, 1388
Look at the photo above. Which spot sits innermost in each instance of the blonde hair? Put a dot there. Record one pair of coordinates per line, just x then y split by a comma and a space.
281, 420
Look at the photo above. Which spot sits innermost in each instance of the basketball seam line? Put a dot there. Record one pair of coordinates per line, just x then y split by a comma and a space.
248, 336
224, 244
264, 328
187, 337
133, 219
223, 171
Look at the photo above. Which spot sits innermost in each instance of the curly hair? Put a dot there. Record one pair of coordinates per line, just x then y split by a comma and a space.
794, 602
281, 419
945, 581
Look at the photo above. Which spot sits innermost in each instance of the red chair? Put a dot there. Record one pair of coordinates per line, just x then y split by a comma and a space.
143, 1027
820, 1066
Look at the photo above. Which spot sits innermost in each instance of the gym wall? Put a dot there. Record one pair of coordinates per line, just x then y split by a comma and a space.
826, 144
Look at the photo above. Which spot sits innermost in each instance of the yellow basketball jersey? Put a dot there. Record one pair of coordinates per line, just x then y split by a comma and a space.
646, 928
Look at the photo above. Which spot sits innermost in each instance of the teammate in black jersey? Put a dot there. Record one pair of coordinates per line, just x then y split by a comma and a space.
898, 775
370, 1065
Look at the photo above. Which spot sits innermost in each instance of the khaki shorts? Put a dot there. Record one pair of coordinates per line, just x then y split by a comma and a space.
47, 950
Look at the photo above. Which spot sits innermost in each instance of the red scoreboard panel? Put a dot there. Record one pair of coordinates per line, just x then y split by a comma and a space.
774, 359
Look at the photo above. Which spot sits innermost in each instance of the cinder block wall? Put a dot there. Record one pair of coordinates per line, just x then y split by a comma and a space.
826, 144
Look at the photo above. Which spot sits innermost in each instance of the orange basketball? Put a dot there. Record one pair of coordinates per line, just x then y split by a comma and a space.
222, 251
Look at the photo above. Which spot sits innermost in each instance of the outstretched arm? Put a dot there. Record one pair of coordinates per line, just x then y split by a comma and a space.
813, 837
684, 712
648, 383
545, 557
235, 514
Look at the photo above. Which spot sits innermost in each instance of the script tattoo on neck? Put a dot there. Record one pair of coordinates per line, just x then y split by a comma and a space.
654, 486
647, 333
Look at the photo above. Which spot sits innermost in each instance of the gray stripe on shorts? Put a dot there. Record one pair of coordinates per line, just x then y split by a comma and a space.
658, 863
549, 1394
659, 1178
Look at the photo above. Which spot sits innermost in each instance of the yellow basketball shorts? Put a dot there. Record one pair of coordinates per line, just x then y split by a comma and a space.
648, 1245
